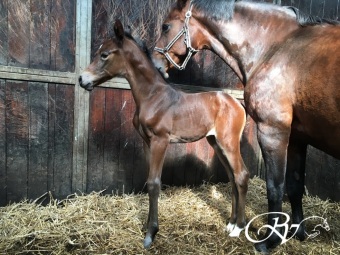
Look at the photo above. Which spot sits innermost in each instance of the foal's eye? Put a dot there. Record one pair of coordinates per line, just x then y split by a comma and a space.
104, 55
165, 28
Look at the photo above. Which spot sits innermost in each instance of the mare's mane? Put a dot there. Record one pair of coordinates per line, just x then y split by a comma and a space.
223, 9
217, 9
310, 20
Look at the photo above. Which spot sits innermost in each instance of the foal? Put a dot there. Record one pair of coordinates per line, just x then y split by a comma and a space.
165, 115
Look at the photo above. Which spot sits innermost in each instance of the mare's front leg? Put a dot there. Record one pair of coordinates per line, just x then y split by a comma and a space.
273, 139
295, 183
156, 155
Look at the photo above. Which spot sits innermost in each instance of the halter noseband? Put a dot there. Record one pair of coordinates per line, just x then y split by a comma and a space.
187, 42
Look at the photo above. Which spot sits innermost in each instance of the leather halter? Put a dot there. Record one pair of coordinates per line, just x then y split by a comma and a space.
187, 42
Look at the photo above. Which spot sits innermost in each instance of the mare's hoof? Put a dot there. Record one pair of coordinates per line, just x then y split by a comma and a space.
147, 242
261, 248
300, 235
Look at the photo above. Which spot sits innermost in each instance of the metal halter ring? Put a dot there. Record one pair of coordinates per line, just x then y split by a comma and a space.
187, 42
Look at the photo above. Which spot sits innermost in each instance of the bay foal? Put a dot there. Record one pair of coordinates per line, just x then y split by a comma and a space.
165, 115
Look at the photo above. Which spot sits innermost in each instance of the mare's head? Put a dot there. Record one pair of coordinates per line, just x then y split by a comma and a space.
182, 35
109, 60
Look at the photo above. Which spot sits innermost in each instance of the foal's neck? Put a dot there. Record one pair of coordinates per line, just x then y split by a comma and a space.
144, 79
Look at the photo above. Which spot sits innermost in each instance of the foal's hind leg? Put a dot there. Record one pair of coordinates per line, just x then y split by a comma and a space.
295, 180
230, 156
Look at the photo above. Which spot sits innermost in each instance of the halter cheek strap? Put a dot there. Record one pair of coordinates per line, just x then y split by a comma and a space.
187, 42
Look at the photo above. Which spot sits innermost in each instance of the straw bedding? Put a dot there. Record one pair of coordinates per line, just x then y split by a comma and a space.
192, 221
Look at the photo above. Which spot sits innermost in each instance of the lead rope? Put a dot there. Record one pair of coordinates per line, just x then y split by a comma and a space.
187, 42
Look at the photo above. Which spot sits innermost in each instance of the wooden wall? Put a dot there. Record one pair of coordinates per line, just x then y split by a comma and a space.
36, 118
51, 141
38, 34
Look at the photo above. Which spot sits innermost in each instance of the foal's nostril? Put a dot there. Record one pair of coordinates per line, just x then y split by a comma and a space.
80, 80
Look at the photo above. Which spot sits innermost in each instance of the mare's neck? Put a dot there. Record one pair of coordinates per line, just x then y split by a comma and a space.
245, 41
144, 79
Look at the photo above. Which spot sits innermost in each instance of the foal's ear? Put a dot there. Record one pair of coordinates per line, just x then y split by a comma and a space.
119, 30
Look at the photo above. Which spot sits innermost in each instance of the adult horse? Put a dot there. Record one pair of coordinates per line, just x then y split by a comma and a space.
165, 115
289, 64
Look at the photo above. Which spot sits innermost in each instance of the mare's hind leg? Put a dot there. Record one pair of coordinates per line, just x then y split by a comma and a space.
157, 153
230, 156
295, 180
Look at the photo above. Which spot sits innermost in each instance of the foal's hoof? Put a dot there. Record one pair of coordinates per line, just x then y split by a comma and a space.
236, 232
233, 230
229, 228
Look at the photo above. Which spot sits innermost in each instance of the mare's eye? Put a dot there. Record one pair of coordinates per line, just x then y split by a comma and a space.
104, 55
165, 28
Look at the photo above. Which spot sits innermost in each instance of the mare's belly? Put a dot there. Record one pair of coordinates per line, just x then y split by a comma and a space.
320, 131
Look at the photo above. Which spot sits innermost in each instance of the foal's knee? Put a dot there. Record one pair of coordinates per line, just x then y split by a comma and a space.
154, 185
242, 179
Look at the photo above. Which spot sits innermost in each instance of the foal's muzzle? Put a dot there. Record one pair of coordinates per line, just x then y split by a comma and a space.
85, 85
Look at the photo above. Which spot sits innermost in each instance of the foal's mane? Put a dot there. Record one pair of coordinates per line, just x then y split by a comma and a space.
141, 44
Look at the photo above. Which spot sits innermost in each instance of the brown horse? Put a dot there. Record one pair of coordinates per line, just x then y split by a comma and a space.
165, 115
289, 64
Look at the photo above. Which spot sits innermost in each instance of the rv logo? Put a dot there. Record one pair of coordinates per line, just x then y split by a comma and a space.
293, 228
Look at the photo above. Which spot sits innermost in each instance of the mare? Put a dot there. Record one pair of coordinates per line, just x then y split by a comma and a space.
165, 115
289, 64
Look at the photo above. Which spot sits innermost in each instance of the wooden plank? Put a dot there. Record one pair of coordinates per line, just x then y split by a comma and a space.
317, 7
286, 2
18, 33
81, 97
29, 74
321, 174
96, 140
126, 154
331, 9
140, 167
17, 124
51, 136
202, 152
63, 41
113, 104
63, 143
4, 32
191, 163
38, 139
100, 24
3, 154
175, 163
40, 54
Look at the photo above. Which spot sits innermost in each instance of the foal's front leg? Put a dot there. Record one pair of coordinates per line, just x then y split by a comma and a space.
157, 151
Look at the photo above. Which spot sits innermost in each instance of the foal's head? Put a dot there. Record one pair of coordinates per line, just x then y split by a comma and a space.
109, 61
